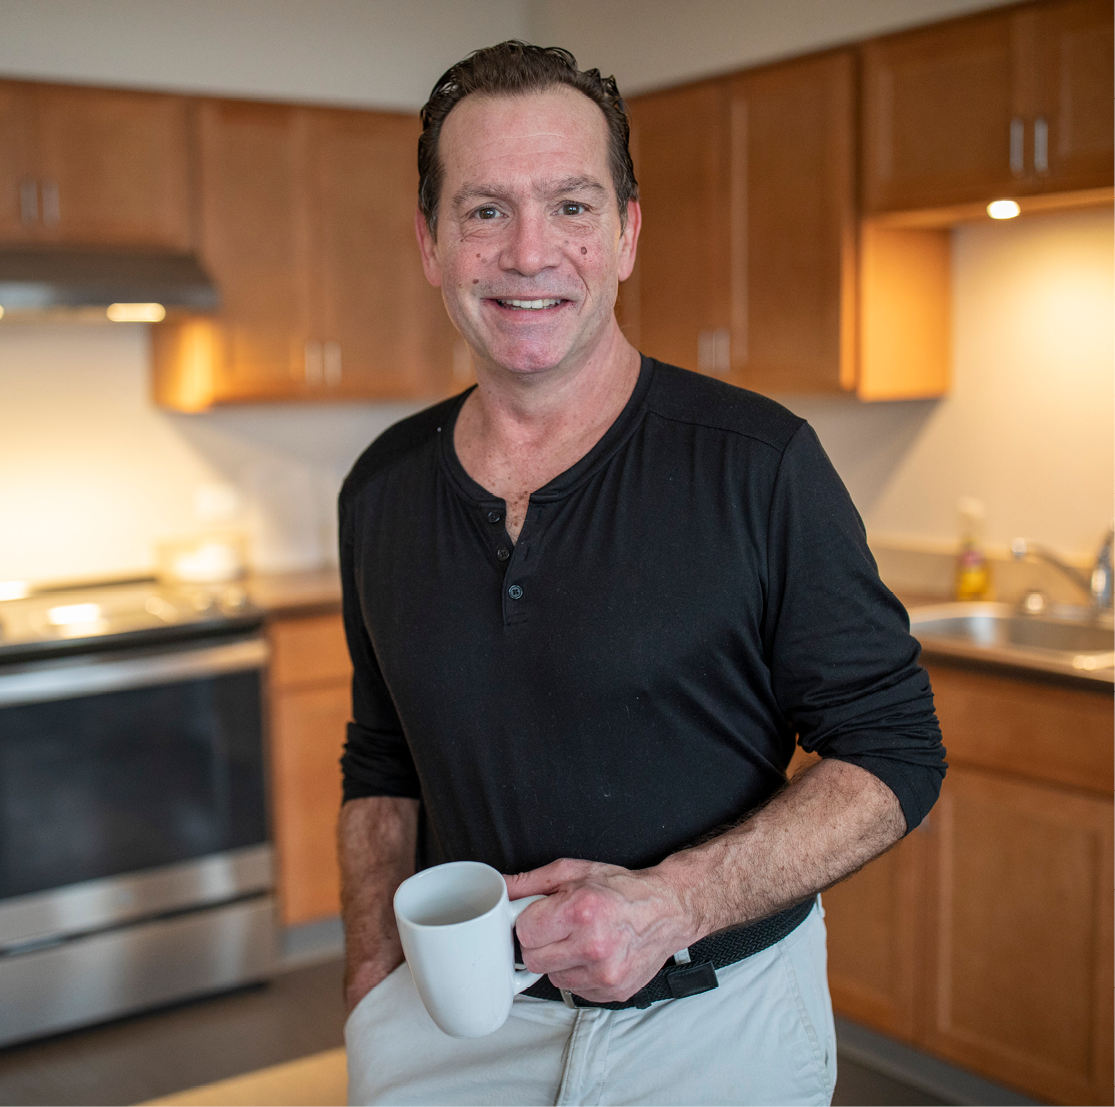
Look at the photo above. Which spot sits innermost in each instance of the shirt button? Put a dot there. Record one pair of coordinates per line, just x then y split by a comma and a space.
515, 592
494, 516
503, 553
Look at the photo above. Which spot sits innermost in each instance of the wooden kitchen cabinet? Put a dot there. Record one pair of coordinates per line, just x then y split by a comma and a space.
16, 168
680, 138
751, 266
876, 935
307, 227
253, 244
94, 167
985, 937
310, 706
1020, 954
1002, 104
377, 330
1073, 59
793, 226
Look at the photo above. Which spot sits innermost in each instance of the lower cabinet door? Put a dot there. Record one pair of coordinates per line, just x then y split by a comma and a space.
1021, 935
875, 940
308, 733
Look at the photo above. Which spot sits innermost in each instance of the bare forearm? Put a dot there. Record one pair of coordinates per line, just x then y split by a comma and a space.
375, 844
831, 820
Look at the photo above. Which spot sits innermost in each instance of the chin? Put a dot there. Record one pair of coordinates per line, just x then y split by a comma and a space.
528, 361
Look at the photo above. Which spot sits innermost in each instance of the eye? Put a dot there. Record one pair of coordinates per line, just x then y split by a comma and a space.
573, 207
486, 213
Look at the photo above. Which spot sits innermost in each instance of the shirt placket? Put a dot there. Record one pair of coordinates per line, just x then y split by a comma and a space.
510, 556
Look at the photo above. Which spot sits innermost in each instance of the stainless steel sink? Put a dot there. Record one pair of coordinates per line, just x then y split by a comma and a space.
1076, 641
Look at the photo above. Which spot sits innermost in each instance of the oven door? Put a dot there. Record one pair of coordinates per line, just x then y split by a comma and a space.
129, 763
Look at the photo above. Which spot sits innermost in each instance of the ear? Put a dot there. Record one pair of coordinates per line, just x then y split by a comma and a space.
629, 239
427, 246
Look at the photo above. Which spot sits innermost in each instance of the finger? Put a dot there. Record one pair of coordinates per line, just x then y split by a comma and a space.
545, 880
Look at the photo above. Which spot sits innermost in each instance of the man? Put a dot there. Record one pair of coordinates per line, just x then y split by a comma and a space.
589, 604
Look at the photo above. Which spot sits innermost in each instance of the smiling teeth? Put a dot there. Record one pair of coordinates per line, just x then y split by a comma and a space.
532, 305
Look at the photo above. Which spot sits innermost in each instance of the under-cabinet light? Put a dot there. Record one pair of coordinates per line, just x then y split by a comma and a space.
1003, 209
136, 313
13, 589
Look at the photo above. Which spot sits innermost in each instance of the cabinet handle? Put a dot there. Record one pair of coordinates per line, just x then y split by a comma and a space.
28, 202
714, 351
1017, 147
331, 361
52, 212
1041, 146
313, 364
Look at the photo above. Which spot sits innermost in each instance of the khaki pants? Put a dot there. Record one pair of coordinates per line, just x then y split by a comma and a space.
765, 1036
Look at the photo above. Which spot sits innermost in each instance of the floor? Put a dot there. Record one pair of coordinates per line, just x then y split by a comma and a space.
299, 1013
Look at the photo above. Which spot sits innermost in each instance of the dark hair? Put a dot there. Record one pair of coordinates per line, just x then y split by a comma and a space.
511, 69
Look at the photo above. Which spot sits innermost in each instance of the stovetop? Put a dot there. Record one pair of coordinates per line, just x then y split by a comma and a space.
119, 615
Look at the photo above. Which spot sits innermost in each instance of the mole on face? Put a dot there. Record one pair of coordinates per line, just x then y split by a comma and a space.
584, 249
475, 280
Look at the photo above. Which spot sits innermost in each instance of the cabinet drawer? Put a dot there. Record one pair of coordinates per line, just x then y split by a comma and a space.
1042, 731
310, 650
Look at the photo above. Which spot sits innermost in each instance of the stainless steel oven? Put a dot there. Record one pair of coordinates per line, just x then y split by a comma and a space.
135, 866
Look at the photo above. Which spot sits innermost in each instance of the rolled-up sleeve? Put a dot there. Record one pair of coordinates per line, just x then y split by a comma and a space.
844, 666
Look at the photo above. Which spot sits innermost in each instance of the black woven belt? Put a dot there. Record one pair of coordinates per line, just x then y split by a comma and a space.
674, 981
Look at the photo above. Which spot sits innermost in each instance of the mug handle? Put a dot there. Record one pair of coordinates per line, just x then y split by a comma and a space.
522, 977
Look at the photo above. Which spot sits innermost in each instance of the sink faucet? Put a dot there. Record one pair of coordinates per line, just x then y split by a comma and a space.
1097, 584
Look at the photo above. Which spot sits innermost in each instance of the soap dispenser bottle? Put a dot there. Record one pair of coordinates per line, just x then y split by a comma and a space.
973, 574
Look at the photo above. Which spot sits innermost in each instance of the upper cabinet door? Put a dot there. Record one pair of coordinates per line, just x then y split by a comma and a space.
19, 198
793, 226
253, 243
937, 112
1007, 104
112, 168
378, 330
683, 282
1073, 95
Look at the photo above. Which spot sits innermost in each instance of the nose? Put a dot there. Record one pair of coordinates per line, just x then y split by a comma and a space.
532, 244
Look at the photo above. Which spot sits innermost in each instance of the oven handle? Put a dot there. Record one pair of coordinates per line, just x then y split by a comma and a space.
102, 673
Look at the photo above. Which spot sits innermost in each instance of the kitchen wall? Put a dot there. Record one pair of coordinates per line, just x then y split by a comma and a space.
656, 43
365, 53
1027, 426
92, 475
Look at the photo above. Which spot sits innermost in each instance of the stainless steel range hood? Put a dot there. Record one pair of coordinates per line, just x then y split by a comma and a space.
85, 283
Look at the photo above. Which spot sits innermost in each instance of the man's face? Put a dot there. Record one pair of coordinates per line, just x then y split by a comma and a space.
529, 251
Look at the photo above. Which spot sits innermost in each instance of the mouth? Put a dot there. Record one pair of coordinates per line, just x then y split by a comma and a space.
529, 305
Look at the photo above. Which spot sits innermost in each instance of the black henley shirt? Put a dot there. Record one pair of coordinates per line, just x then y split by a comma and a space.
631, 673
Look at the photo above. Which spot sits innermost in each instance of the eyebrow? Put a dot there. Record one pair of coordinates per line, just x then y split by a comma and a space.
544, 188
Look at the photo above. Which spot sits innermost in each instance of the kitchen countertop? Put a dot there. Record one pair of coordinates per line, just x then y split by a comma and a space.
311, 592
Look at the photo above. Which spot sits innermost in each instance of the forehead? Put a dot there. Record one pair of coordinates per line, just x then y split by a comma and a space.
534, 132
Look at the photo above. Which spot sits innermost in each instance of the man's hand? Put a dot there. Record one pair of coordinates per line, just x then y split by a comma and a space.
603, 932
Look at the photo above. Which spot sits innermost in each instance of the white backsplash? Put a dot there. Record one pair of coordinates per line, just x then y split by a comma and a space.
93, 475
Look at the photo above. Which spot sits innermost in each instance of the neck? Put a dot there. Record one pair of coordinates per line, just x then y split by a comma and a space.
516, 432
518, 409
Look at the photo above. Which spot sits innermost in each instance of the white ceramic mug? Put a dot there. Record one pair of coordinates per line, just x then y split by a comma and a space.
456, 924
